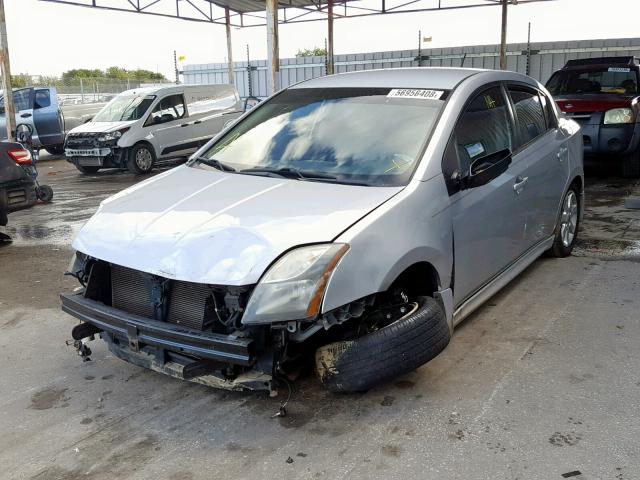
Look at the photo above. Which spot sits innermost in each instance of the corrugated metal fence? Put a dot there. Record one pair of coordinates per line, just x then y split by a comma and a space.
546, 57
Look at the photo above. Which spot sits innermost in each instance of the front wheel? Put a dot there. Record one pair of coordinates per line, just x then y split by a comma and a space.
141, 159
567, 229
380, 355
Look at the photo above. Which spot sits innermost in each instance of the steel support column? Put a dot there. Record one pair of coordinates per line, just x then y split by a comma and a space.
5, 70
503, 36
330, 62
273, 55
227, 18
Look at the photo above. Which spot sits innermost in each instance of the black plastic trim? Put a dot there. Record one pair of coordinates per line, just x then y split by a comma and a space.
142, 330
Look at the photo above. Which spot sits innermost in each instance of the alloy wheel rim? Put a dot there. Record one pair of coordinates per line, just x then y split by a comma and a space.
569, 218
144, 159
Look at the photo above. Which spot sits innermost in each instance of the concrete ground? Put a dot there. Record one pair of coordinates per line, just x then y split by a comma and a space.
540, 383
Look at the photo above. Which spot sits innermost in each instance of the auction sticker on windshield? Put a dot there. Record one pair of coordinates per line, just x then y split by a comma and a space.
415, 93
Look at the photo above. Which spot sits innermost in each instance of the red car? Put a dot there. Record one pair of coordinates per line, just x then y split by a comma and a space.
601, 94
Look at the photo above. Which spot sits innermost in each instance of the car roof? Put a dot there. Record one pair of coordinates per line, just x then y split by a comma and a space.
582, 63
173, 88
443, 78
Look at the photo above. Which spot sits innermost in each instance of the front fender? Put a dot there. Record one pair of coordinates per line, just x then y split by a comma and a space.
414, 226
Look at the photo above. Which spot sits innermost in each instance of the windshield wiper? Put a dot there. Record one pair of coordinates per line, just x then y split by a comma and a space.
290, 173
212, 162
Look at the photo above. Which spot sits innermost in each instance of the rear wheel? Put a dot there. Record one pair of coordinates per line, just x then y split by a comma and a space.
87, 170
567, 230
141, 159
631, 165
55, 149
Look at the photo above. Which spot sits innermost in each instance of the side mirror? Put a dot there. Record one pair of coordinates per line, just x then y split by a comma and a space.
486, 168
250, 102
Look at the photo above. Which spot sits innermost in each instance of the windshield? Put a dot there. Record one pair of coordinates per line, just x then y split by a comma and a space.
123, 108
619, 80
365, 135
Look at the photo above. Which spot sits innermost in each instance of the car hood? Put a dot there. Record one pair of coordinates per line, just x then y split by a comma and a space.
207, 226
592, 102
101, 127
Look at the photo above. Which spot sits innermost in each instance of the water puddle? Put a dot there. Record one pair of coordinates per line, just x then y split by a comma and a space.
607, 249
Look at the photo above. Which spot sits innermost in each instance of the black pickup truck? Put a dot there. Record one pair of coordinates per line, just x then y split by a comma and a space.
17, 188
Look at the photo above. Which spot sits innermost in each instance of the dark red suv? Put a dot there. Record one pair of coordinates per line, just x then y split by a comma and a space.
601, 94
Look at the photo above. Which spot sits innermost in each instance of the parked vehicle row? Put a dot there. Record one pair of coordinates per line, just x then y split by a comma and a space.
351, 221
142, 126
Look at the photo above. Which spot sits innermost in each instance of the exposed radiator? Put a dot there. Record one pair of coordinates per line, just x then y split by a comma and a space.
131, 293
187, 301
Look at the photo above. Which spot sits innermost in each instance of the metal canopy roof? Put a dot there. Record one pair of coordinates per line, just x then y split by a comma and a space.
250, 13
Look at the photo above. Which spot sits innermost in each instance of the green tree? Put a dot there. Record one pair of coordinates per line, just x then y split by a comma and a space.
312, 52
114, 73
21, 80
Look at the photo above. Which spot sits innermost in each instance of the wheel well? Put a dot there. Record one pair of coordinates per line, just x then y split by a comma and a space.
143, 142
578, 183
419, 279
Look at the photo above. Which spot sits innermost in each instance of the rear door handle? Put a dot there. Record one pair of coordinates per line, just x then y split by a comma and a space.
197, 122
25, 115
519, 185
184, 125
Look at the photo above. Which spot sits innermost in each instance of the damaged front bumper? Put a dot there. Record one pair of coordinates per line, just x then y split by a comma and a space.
198, 356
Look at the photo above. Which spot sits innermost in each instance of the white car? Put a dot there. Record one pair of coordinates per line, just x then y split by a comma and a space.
139, 127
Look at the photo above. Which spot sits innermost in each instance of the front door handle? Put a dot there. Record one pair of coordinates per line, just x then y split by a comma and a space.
25, 115
519, 185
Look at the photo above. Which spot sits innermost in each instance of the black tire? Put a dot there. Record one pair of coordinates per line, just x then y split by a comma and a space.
87, 170
44, 193
142, 158
55, 149
360, 364
631, 165
560, 248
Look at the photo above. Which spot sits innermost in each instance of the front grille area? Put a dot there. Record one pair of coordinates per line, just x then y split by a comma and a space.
82, 140
186, 303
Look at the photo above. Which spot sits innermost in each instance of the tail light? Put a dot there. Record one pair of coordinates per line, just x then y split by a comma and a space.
20, 156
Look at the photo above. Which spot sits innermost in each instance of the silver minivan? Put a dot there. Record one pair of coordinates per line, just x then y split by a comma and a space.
139, 127
350, 222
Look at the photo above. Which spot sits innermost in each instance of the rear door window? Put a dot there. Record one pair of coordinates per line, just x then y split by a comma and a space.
529, 113
43, 99
168, 109
483, 128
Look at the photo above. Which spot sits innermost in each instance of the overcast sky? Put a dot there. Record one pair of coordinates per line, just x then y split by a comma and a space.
46, 38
